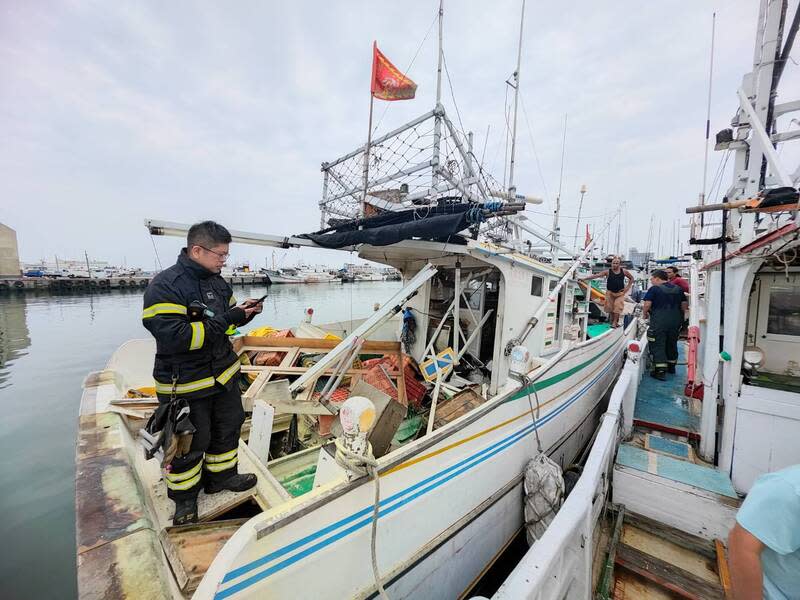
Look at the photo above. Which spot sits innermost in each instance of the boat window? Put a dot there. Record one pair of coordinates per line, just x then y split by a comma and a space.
553, 284
784, 316
536, 285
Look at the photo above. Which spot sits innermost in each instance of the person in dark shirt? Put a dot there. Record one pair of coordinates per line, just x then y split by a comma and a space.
664, 304
675, 277
616, 288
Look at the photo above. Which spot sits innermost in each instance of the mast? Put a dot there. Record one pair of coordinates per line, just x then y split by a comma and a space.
369, 135
511, 187
437, 119
580, 207
560, 181
708, 127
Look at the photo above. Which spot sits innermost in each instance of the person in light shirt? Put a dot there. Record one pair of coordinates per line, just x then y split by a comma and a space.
764, 544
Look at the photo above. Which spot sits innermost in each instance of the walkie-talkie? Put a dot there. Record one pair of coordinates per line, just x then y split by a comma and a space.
195, 310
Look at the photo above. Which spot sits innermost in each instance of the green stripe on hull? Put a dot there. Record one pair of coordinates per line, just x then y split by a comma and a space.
538, 386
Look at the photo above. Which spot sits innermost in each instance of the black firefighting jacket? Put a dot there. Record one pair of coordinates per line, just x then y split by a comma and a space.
193, 357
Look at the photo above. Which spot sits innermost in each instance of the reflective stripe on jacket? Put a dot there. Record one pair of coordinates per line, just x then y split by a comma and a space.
197, 353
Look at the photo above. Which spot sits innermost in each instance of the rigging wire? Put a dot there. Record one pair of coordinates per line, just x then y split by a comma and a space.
453, 95
533, 145
158, 259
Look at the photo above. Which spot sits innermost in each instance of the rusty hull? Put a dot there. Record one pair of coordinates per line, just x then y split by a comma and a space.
118, 552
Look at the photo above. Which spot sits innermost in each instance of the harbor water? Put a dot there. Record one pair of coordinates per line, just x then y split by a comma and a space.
48, 343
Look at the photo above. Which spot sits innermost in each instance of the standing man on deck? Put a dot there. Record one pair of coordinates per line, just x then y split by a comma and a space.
190, 310
664, 304
616, 289
675, 277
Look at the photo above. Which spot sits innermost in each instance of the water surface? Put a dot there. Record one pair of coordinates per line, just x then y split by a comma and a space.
48, 344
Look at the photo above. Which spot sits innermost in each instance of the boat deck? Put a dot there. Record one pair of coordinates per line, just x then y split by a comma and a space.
678, 509
661, 405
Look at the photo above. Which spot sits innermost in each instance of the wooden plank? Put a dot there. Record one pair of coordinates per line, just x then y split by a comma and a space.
667, 429
679, 581
401, 379
654, 545
301, 370
691, 542
722, 569
191, 549
681, 506
265, 342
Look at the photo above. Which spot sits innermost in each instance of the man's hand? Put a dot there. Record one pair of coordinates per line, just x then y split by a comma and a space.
251, 307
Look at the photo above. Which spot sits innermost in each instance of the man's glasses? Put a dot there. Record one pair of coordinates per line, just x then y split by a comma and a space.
222, 256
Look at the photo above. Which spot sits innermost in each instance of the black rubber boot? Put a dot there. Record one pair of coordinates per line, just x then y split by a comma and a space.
235, 483
670, 368
659, 374
185, 511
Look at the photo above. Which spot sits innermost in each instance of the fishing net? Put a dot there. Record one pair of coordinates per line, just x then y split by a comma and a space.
408, 168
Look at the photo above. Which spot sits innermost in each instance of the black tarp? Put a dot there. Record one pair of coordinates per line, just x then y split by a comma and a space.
431, 223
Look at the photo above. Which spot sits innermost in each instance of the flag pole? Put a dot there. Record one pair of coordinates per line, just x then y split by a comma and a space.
369, 134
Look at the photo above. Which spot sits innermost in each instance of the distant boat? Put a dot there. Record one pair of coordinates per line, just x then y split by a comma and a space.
285, 276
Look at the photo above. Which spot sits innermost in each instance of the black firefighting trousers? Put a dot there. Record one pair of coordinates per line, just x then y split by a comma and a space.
213, 455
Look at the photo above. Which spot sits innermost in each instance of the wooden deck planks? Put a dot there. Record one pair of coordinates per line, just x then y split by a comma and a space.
677, 580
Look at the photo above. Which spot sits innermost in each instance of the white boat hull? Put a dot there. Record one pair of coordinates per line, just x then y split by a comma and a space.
449, 501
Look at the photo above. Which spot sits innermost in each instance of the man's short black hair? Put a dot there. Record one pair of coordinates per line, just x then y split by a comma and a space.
207, 234
674, 270
660, 273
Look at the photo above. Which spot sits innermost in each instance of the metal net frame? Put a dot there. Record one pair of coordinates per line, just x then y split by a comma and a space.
410, 168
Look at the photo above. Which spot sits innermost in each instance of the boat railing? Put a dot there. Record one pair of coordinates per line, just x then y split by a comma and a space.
559, 565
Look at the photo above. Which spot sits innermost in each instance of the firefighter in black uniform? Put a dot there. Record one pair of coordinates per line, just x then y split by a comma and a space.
664, 304
190, 310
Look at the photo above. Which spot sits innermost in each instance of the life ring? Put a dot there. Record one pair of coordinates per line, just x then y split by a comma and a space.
122, 283
19, 285
4, 285
93, 283
66, 284
132, 283
103, 283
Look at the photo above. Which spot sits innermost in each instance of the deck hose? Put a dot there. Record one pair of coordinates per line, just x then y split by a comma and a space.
363, 464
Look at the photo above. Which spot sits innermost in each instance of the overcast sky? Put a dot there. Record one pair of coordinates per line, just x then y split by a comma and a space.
112, 112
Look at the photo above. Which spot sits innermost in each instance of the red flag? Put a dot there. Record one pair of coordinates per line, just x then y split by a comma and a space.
588, 237
388, 83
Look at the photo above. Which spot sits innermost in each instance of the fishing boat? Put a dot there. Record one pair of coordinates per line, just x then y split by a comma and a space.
389, 450
672, 461
285, 276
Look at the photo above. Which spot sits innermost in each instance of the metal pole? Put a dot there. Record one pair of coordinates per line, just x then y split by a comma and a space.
456, 315
88, 268
580, 207
437, 119
511, 187
366, 157
441, 54
560, 181
708, 122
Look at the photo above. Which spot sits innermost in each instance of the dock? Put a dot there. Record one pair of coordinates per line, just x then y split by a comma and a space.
62, 284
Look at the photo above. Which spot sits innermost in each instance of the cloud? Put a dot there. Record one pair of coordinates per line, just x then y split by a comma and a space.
182, 111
